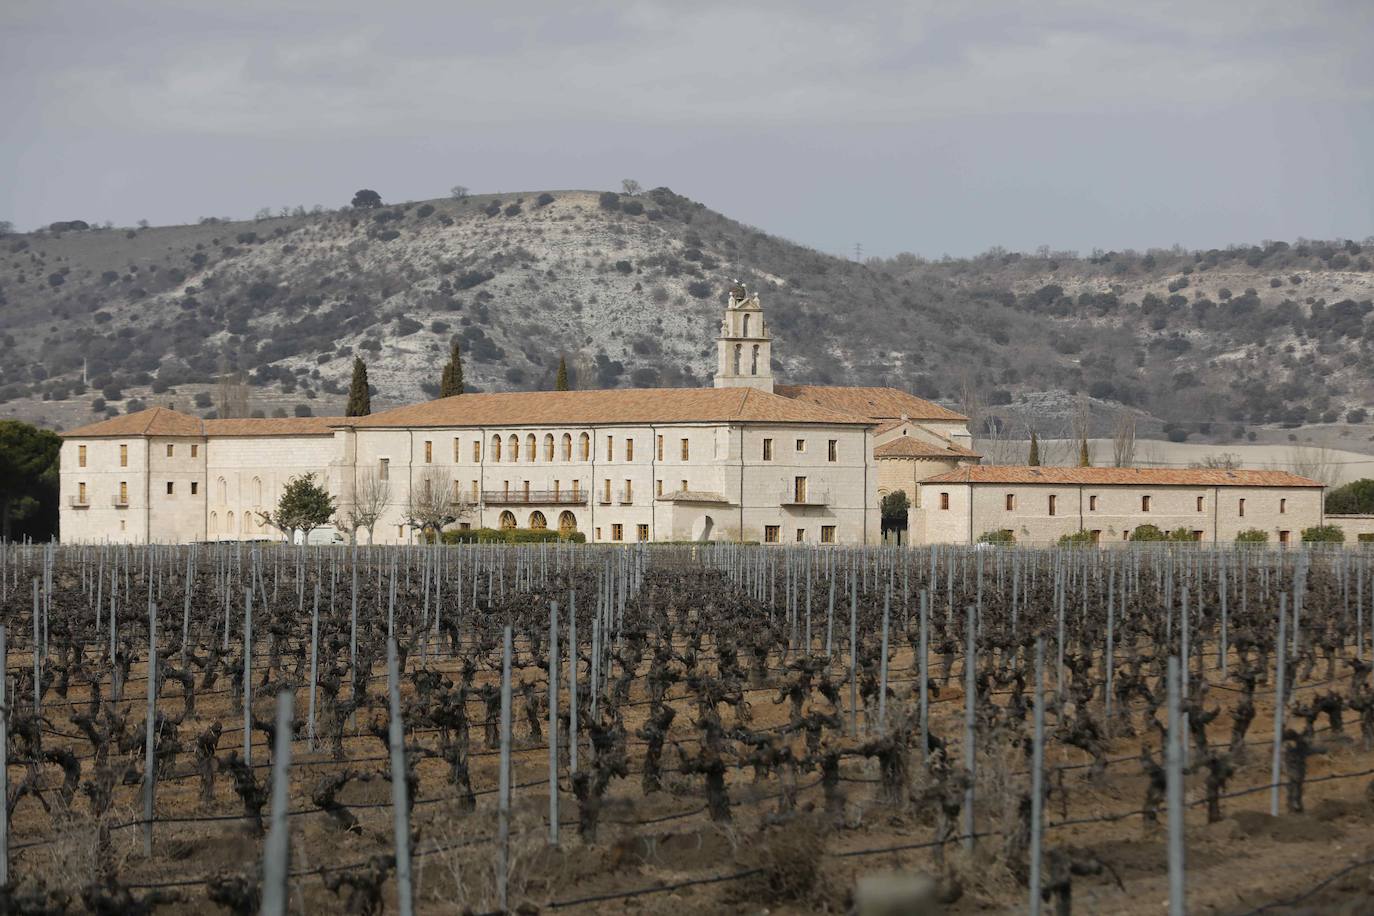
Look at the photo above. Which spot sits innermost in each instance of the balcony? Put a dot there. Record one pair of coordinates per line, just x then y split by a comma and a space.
692, 496
534, 498
804, 498
119, 502
79, 502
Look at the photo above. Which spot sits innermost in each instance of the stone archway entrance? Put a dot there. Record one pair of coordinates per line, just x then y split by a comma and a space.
567, 523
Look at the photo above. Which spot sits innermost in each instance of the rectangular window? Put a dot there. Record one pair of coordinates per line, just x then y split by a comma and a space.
606, 491
772, 534
801, 445
767, 451
477, 451
1283, 506
124, 456
660, 448
1096, 535
123, 492
1144, 504
384, 469
1054, 503
81, 493
801, 535
171, 450
81, 456
473, 498
629, 492
576, 490
610, 448
643, 532
827, 534
457, 451
658, 485
598, 533
557, 489
944, 500
799, 489
525, 490
1200, 503
505, 489
429, 452
832, 450
1011, 501
685, 449
629, 450
617, 532
1092, 503
1283, 537
1240, 508
683, 488
195, 487
171, 488
195, 450
1197, 535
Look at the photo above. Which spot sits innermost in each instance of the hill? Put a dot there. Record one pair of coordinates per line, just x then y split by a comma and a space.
1206, 345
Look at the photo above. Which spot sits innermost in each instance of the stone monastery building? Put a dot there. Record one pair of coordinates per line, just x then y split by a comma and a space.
746, 460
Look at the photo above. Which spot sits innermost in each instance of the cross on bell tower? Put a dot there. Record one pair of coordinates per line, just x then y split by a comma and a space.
745, 346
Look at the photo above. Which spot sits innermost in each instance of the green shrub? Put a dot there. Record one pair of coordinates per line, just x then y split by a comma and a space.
1002, 536
1181, 535
1323, 534
510, 536
1148, 533
1252, 536
1078, 538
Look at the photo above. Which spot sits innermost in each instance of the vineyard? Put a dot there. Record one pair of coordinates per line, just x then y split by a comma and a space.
259, 728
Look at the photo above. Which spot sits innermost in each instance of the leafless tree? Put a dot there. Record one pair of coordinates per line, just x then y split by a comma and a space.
231, 395
630, 186
371, 496
1221, 461
1082, 426
458, 192
435, 502
1123, 439
1311, 461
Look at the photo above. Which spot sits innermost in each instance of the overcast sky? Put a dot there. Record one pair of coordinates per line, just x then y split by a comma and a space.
933, 127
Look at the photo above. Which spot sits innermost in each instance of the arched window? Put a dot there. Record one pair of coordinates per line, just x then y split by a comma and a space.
537, 521
548, 446
513, 446
584, 442
496, 448
754, 362
229, 522
746, 325
529, 447
567, 523
507, 519
214, 522
257, 491
739, 352
567, 447
246, 521
221, 491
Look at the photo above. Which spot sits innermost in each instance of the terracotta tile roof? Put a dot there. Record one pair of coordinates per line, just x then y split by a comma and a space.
1158, 477
878, 403
908, 447
275, 426
162, 421
155, 421
615, 405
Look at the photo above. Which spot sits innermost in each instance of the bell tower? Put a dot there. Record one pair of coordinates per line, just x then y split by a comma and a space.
745, 346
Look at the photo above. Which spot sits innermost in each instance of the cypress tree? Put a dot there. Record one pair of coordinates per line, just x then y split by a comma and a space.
1084, 459
1033, 459
561, 382
451, 382
359, 399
